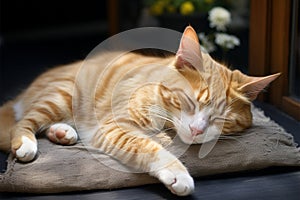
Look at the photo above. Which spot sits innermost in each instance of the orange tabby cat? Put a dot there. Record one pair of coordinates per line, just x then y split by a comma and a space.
117, 108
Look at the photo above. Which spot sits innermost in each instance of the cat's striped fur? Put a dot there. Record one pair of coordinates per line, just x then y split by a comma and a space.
117, 105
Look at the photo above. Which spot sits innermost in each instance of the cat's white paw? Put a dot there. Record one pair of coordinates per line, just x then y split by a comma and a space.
27, 151
62, 133
179, 183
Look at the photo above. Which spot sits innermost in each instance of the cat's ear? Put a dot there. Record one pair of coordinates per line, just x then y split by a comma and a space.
254, 85
189, 51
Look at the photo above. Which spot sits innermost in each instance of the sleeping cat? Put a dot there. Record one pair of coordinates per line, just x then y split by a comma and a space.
117, 108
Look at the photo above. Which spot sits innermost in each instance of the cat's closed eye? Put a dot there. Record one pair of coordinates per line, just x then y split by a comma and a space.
187, 104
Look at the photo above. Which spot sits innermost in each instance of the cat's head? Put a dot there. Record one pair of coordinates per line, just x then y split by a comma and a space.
220, 102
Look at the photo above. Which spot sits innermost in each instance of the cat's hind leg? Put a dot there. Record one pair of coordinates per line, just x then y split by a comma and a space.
7, 121
62, 133
24, 144
31, 120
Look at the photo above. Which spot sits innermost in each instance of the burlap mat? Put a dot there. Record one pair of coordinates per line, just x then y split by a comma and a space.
62, 169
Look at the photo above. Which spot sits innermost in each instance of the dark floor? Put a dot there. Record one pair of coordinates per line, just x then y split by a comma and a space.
22, 61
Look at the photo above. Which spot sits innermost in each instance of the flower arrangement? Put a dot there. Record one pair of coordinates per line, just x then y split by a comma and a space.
219, 18
183, 7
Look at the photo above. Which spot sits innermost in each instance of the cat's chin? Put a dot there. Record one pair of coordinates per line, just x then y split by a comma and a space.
187, 139
203, 139
211, 133
197, 140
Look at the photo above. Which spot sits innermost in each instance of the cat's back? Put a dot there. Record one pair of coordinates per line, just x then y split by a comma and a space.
124, 70
81, 79
85, 72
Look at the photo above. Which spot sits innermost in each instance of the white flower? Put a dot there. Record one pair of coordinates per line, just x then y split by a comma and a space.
219, 17
206, 45
226, 41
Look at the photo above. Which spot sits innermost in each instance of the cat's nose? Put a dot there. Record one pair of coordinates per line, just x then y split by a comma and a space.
195, 131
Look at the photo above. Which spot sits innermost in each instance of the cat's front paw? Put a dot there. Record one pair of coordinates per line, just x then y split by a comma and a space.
24, 148
179, 183
62, 133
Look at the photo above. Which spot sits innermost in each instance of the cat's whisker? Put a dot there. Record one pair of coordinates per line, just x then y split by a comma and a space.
168, 129
163, 117
222, 119
157, 111
224, 137
233, 101
229, 106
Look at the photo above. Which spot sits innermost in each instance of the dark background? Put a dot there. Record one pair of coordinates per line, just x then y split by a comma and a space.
36, 35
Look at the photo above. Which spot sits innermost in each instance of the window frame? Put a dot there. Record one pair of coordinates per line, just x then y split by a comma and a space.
269, 50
